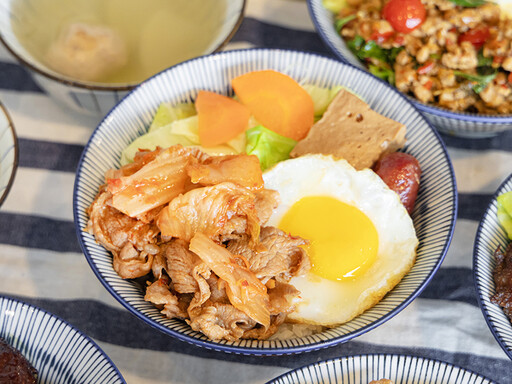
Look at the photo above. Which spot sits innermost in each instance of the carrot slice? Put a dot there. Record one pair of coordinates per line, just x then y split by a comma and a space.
220, 118
277, 101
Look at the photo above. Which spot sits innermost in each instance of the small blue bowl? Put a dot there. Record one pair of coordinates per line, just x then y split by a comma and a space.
365, 368
434, 214
489, 236
453, 123
60, 353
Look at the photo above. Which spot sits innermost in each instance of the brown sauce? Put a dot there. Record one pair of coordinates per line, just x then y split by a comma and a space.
503, 280
14, 367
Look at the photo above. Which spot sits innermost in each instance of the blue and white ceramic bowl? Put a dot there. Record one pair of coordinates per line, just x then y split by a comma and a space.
489, 236
434, 214
362, 369
8, 153
453, 123
60, 353
86, 97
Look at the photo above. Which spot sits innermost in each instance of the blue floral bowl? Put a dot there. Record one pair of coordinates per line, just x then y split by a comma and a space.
434, 214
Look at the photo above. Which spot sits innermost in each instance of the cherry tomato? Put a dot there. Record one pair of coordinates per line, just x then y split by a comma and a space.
426, 68
476, 36
498, 60
404, 15
401, 172
399, 40
379, 38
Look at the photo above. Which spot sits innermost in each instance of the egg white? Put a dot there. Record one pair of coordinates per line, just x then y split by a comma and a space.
327, 302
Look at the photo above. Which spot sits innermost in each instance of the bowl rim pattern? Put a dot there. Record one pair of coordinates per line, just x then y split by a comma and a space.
479, 257
402, 359
14, 169
292, 349
6, 300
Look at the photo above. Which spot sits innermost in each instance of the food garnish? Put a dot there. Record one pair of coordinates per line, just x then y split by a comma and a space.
404, 15
351, 130
505, 212
503, 270
401, 172
503, 280
277, 101
270, 147
453, 54
468, 3
190, 212
220, 118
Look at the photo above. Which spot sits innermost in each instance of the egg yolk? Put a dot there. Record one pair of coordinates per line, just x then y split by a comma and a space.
343, 240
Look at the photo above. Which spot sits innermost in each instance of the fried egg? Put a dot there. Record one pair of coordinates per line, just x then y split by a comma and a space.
362, 240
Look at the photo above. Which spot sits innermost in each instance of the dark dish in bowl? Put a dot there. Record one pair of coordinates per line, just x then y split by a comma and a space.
490, 267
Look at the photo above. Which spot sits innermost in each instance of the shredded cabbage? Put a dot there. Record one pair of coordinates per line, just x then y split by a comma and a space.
505, 212
270, 147
167, 113
334, 6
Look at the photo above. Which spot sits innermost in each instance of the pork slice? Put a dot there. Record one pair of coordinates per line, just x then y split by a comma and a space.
180, 265
113, 229
260, 333
244, 290
217, 290
200, 273
266, 201
278, 255
208, 210
281, 298
159, 294
221, 322
131, 263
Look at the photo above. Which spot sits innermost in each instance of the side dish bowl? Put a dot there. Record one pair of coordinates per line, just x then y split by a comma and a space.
88, 97
8, 153
365, 368
489, 236
449, 122
434, 214
60, 353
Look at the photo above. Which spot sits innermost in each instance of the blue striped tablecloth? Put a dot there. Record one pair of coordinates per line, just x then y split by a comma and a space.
41, 262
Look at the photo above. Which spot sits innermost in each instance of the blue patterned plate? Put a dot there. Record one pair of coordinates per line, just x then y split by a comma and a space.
8, 153
60, 353
434, 215
364, 368
489, 236
454, 123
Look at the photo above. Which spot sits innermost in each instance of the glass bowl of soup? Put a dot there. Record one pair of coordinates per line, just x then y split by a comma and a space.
90, 54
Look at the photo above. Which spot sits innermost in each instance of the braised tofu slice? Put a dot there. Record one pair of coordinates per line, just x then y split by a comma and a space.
351, 130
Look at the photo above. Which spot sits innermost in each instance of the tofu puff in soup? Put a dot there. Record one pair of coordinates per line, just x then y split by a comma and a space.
362, 240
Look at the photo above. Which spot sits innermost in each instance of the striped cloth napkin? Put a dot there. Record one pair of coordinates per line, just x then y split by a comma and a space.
41, 262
